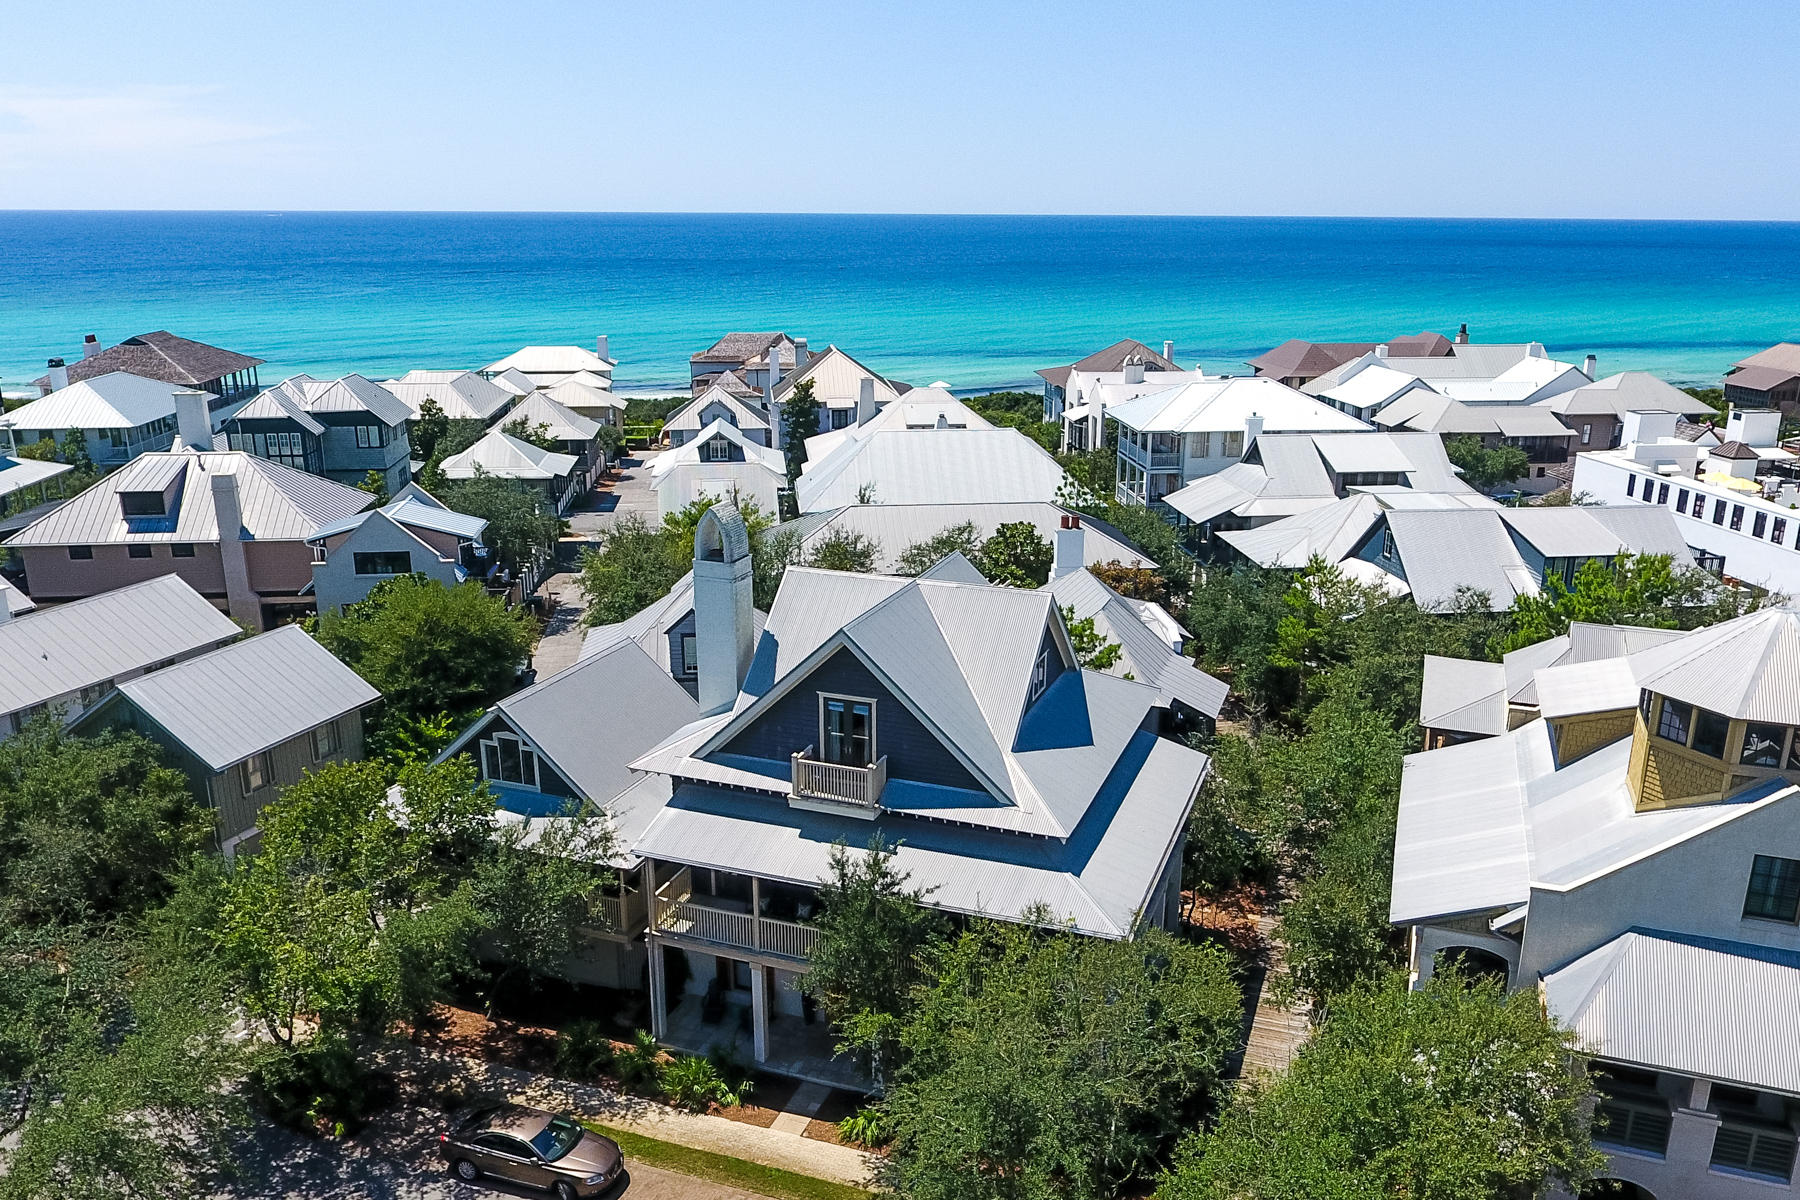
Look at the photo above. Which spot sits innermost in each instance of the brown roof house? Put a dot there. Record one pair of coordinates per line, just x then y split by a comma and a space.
233, 525
225, 374
1113, 358
1767, 379
1297, 362
748, 356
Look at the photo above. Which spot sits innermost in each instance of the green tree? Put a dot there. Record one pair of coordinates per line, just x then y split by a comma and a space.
428, 431
845, 550
1017, 555
920, 557
1093, 649
679, 526
1634, 589
1485, 468
75, 451
799, 416
1048, 1066
610, 438
375, 483
873, 929
537, 435
634, 567
520, 528
776, 550
1453, 1091
533, 891
428, 648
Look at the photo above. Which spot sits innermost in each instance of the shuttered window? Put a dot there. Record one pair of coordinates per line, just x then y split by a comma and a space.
1632, 1122
1756, 1149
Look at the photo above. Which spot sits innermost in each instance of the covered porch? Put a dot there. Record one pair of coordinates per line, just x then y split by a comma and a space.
790, 1045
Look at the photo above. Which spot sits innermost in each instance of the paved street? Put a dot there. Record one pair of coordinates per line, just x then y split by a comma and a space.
627, 490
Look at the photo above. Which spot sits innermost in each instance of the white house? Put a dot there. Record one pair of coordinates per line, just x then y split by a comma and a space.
120, 417
717, 403
722, 462
412, 534
556, 477
1735, 503
919, 408
547, 366
1633, 854
1092, 394
462, 395
933, 466
837, 381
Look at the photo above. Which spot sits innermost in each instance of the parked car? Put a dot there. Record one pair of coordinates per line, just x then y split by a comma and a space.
532, 1147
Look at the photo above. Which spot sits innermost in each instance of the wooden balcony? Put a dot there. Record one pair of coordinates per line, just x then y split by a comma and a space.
613, 913
837, 788
679, 913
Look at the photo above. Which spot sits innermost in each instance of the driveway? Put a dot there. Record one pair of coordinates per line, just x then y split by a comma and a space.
396, 1158
626, 491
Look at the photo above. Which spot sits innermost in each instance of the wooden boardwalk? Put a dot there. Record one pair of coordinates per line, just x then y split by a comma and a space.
1273, 1033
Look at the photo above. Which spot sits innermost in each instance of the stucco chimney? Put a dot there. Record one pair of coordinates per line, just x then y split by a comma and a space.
1462, 334
59, 375
1253, 427
5, 606
90, 346
1589, 365
1381, 351
1134, 369
193, 424
801, 358
724, 629
241, 601
865, 401
600, 348
775, 361
1070, 552
1169, 351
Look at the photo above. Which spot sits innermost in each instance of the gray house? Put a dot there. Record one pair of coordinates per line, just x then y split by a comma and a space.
339, 428
246, 720
414, 533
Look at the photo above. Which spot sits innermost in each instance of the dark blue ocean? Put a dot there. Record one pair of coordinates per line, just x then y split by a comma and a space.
975, 301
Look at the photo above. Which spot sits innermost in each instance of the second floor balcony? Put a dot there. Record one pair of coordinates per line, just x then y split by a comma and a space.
1156, 451
731, 922
842, 788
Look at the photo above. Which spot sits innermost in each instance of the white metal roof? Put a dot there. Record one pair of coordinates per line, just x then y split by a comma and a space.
515, 381
1287, 473
649, 627
569, 426
277, 503
895, 527
54, 651
463, 395
1225, 405
551, 360
1748, 667
767, 457
13, 601
506, 457
17, 473
112, 401
1619, 394
412, 511
934, 466
578, 395
347, 394
1145, 653
1464, 696
1702, 1007
688, 415
1589, 687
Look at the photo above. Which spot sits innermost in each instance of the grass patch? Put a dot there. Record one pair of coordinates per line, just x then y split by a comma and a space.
722, 1168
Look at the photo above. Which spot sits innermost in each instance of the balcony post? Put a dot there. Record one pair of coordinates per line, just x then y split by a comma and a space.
659, 1002
759, 1011
756, 912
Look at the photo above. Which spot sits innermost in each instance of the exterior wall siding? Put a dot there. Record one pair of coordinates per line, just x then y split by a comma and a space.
335, 581
792, 724
1577, 737
238, 810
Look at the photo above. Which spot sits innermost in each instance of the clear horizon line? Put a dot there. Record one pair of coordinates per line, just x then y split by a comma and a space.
1098, 216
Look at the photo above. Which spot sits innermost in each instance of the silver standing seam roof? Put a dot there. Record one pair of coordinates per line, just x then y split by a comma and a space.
1142, 652
933, 466
249, 696
649, 627
55, 651
896, 527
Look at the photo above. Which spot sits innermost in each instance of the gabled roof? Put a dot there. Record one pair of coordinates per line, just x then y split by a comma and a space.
1748, 667
933, 466
1463, 696
561, 423
1225, 405
1703, 1007
837, 380
1619, 394
1284, 474
115, 400
732, 381
1295, 358
593, 718
577, 395
649, 627
506, 457
921, 408
67, 647
277, 405
688, 415
277, 503
1782, 356
1331, 532
1143, 653
515, 381
1372, 386
222, 708
418, 511
551, 360
896, 527
348, 394
463, 395
1113, 358
739, 348
1762, 379
13, 602
766, 457
161, 355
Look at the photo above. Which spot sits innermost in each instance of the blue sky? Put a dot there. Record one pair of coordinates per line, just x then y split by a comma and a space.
1476, 109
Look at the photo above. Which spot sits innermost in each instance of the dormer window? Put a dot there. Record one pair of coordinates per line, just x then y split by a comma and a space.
1040, 675
718, 450
142, 504
506, 759
1676, 720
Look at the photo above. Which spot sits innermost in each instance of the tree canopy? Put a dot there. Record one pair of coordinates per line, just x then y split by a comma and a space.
920, 557
1452, 1091
1017, 555
845, 550
799, 417
520, 529
1485, 468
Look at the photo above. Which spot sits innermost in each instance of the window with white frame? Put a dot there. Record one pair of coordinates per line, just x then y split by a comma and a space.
1040, 674
718, 450
846, 730
254, 773
507, 759
690, 654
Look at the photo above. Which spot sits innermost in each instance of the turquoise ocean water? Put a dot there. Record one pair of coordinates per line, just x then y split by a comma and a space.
975, 301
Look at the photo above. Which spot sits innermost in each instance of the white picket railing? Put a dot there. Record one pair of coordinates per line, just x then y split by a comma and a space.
860, 786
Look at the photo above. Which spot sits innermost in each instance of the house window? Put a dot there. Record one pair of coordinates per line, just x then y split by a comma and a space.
1634, 1121
1774, 892
1630, 486
181, 550
1737, 516
1762, 745
1757, 526
1662, 493
253, 772
1718, 512
718, 450
1700, 506
370, 437
1040, 674
1234, 444
325, 740
1766, 1151
847, 730
383, 562
141, 504
506, 759
1389, 552
1778, 530
1681, 500
137, 552
1677, 718
841, 417
690, 658
1709, 733
1587, 434
81, 552
1644, 702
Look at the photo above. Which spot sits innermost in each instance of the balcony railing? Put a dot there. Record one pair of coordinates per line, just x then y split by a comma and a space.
678, 913
855, 791
1153, 459
614, 915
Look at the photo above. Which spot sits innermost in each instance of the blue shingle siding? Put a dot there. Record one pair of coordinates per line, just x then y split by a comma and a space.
792, 723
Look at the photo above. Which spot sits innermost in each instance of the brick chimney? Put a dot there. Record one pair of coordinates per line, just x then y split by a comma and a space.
1070, 552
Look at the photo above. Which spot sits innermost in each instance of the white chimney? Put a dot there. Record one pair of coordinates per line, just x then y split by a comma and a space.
865, 401
5, 605
193, 424
90, 346
59, 375
1134, 369
801, 358
600, 348
1381, 350
1071, 548
1589, 365
1169, 351
1646, 426
1754, 428
724, 633
1253, 427
241, 600
1462, 334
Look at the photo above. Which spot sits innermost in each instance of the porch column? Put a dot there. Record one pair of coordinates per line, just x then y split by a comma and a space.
759, 1010
659, 1015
